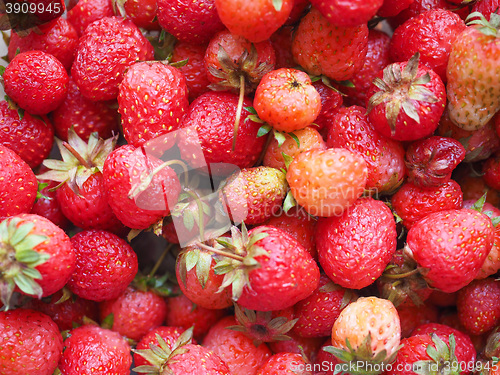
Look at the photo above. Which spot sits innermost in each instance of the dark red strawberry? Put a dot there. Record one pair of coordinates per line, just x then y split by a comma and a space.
48, 205
491, 172
36, 81
331, 102
31, 343
87, 11
105, 51
299, 8
413, 316
142, 13
105, 265
392, 8
282, 44
284, 363
30, 137
352, 13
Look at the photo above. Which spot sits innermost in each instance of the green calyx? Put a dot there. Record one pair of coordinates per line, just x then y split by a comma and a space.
443, 359
399, 89
161, 355
18, 259
200, 260
490, 28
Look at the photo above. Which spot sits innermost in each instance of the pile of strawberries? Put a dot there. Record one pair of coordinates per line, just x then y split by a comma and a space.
236, 187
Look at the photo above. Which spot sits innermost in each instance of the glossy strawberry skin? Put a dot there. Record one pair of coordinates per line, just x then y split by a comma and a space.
283, 363
414, 349
143, 13
36, 81
492, 172
450, 247
31, 343
30, 137
412, 316
100, 64
105, 266
92, 349
282, 44
393, 7
349, 258
87, 11
49, 207
352, 13
485, 7
149, 111
199, 360
331, 102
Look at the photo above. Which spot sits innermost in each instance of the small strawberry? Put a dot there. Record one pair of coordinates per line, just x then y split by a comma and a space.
308, 347
284, 363
331, 102
406, 100
282, 44
36, 81
348, 14
326, 182
48, 205
142, 13
94, 350
107, 48
491, 172
392, 8
87, 11
334, 51
31, 343
105, 265
150, 111
413, 316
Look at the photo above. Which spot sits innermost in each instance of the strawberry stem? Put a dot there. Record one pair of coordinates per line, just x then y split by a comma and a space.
239, 109
76, 155
401, 275
220, 252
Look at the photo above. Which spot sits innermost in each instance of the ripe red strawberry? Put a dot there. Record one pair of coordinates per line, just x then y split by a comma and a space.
331, 102
478, 307
18, 185
30, 137
105, 51
377, 58
194, 71
135, 312
48, 205
431, 33
264, 269
413, 203
253, 195
255, 21
149, 111
326, 182
317, 313
308, 139
91, 349
491, 172
413, 316
189, 21
431, 161
307, 346
322, 48
450, 247
87, 11
384, 157
469, 75
31, 343
473, 186
36, 81
354, 248
39, 258
406, 100
485, 7
244, 360
392, 8
84, 116
209, 123
284, 363
58, 39
142, 13
348, 14
282, 44
124, 171
287, 100
298, 10
105, 265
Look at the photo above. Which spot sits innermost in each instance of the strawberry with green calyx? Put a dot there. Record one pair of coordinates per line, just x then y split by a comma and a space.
36, 256
81, 193
406, 100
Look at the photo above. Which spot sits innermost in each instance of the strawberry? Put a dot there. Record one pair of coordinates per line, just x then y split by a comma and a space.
491, 172
367, 332
36, 81
84, 116
485, 7
450, 247
149, 111
406, 100
384, 157
253, 195
308, 347
87, 11
255, 21
107, 48
37, 257
58, 39
326, 363
469, 73
347, 14
287, 100
421, 33
478, 307
331, 102
143, 14
48, 205
334, 51
392, 8
282, 45
135, 312
326, 182
105, 265
136, 205
31, 343
93, 350
431, 161
247, 359
317, 313
284, 363
18, 185
30, 137
355, 247
474, 187
413, 316
192, 22
412, 203
298, 10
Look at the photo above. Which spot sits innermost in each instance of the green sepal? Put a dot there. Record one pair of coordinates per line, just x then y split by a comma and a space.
277, 4
289, 202
263, 130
